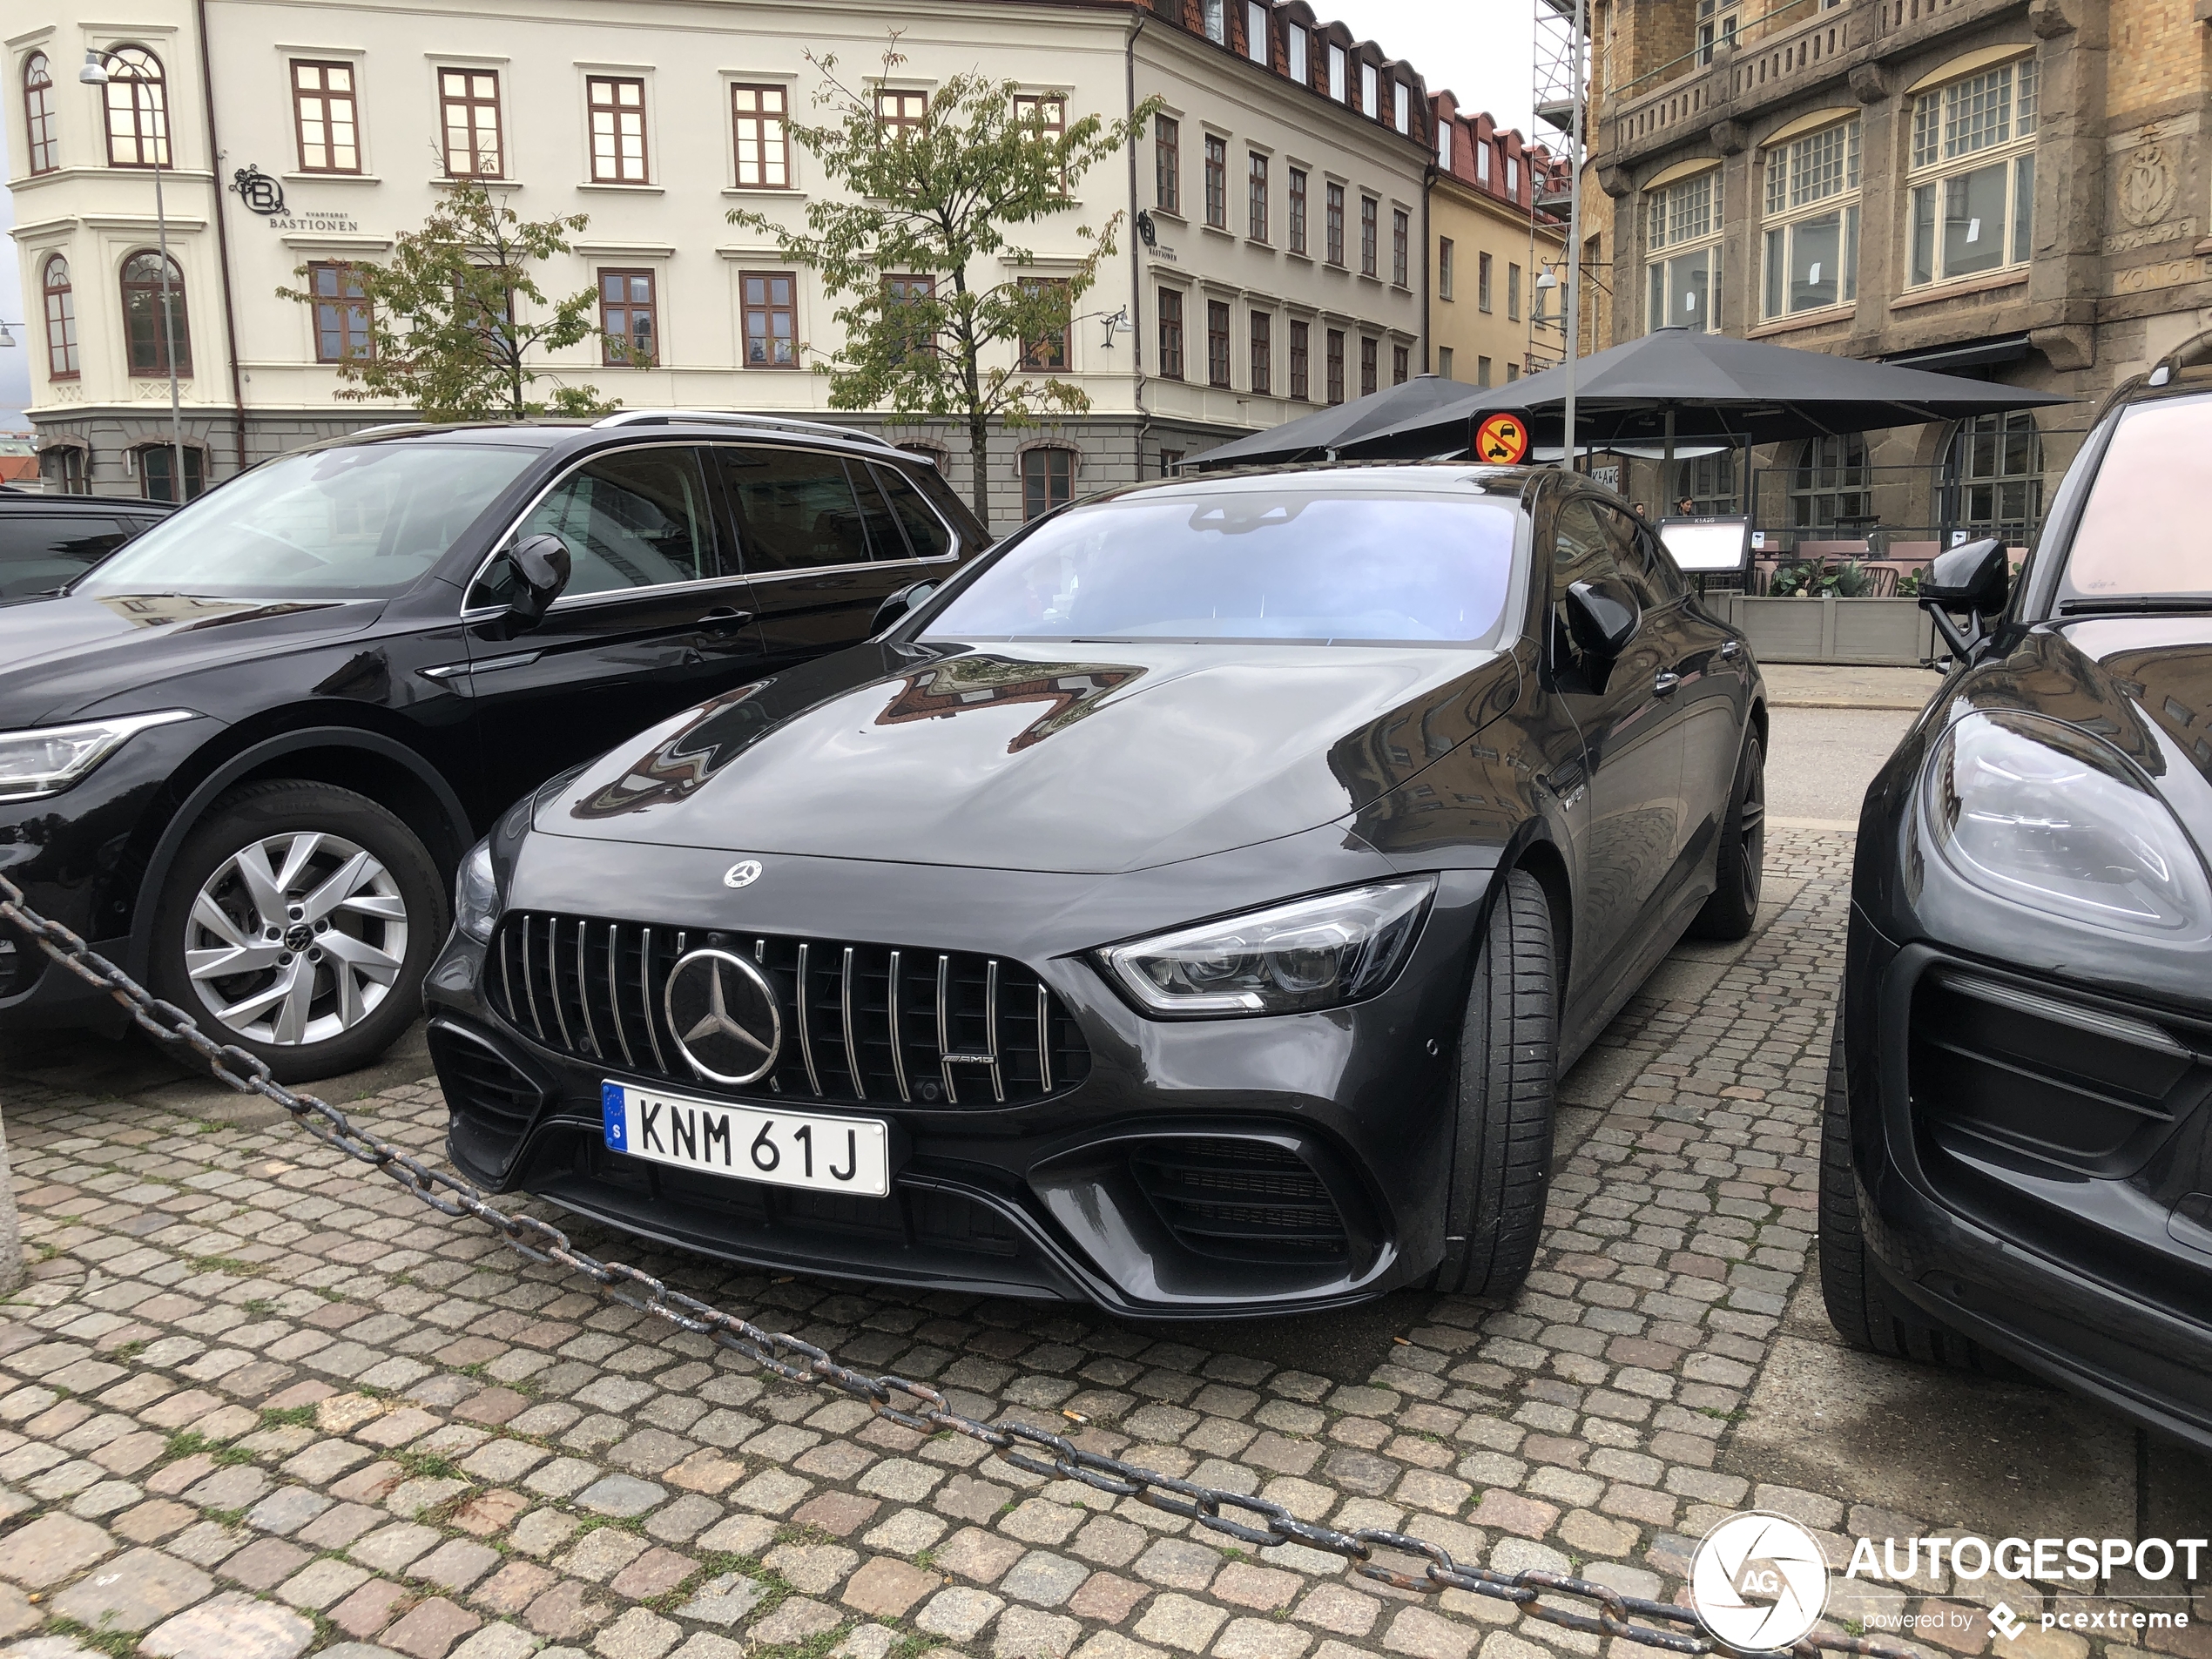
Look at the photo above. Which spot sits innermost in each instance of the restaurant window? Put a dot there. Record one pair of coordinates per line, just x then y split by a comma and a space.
1048, 350
1298, 210
1810, 243
1400, 364
38, 115
900, 291
1301, 347
629, 319
1993, 478
1256, 194
1335, 226
342, 332
1217, 182
1367, 350
137, 102
1167, 165
1216, 342
1335, 366
770, 319
1048, 479
61, 319
325, 118
147, 343
1681, 245
761, 114
1400, 252
1444, 267
1829, 488
902, 113
1973, 174
468, 100
1263, 384
1370, 212
617, 107
1170, 334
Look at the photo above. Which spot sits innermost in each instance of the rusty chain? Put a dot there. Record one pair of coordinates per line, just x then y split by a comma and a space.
912, 1404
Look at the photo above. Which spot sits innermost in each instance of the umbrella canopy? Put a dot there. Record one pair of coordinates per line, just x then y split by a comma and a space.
1325, 430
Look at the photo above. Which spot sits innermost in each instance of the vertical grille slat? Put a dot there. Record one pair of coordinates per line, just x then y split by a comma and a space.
852, 1032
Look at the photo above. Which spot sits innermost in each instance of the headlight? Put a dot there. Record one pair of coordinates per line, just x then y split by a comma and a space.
475, 894
50, 760
1287, 959
2050, 818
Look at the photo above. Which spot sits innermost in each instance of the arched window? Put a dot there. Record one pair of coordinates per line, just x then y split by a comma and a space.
1048, 479
1992, 477
1829, 485
157, 471
138, 109
151, 339
38, 112
61, 320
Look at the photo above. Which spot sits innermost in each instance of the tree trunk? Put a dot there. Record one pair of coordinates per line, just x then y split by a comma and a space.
979, 456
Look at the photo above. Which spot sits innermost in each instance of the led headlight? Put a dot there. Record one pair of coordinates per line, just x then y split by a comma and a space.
2047, 816
48, 759
1287, 959
475, 894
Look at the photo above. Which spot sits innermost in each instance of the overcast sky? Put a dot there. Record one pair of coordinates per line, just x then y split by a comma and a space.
15, 366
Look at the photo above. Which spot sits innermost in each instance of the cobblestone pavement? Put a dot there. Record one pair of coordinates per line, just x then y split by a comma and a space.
257, 1401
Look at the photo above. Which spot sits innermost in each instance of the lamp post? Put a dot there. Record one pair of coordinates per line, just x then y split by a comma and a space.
1575, 228
95, 74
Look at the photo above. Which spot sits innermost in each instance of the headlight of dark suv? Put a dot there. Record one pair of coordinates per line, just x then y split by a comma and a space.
48, 759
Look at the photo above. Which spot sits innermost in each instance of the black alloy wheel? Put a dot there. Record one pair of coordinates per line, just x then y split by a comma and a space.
1508, 1074
1739, 865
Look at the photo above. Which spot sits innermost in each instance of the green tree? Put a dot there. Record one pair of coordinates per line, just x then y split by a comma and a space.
450, 315
936, 200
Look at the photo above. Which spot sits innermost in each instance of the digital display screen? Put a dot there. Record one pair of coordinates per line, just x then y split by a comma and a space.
1708, 546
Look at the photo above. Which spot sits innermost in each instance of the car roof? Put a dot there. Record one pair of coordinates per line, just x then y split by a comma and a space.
1424, 477
32, 502
550, 434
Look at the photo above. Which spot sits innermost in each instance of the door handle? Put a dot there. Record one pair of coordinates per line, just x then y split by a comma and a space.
728, 619
1732, 648
1664, 685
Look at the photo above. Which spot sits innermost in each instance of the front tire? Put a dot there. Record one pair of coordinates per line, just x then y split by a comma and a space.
1739, 868
298, 922
1508, 1065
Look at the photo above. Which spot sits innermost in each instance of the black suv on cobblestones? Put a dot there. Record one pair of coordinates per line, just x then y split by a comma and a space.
244, 754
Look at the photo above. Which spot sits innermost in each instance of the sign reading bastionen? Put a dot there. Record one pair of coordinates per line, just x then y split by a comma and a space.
265, 196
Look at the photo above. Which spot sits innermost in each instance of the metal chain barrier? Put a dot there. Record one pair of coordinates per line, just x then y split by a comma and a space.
912, 1404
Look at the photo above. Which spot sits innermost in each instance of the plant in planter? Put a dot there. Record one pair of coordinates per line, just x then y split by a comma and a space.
1850, 580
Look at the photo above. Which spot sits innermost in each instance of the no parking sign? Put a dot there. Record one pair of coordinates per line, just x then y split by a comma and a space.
1502, 439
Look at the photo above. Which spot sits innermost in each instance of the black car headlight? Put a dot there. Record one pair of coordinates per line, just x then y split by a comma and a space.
1289, 958
475, 894
48, 759
2048, 817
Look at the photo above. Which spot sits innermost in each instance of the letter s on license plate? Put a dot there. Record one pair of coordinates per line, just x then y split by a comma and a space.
849, 1155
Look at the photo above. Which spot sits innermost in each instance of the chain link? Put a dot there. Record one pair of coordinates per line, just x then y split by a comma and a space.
913, 1404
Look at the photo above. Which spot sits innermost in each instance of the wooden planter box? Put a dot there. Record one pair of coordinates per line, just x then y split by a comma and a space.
1870, 632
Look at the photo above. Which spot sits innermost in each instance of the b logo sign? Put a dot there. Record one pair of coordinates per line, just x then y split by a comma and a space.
1759, 1582
1501, 440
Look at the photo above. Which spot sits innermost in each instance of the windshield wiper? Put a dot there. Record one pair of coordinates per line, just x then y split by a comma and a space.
2148, 604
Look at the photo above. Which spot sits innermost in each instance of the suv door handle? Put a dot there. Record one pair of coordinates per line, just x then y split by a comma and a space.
727, 619
1664, 685
1732, 648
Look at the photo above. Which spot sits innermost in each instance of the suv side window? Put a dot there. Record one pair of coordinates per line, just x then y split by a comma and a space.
638, 518
797, 509
1638, 550
927, 537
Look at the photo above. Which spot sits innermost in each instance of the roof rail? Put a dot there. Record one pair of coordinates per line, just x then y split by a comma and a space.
765, 422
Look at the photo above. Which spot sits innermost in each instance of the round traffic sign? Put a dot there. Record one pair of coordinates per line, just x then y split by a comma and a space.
1502, 439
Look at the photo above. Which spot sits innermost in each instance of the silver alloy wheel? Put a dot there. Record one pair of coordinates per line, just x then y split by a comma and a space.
296, 938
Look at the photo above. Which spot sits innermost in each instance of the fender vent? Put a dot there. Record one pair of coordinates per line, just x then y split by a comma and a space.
1240, 1200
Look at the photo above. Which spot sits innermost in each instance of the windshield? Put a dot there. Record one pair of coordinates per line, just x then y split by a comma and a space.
1328, 565
357, 523
2143, 528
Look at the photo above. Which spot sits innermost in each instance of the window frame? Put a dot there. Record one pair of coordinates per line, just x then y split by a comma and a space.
1295, 209
614, 109
180, 313
1217, 178
1262, 367
195, 460
1046, 453
344, 305
1334, 251
1173, 342
1256, 195
149, 114
41, 121
1301, 352
1257, 43
1217, 343
469, 101
1401, 364
1339, 76
327, 99
1296, 55
1401, 250
1370, 234
1676, 231
1485, 272
610, 355
1444, 282
1043, 356
902, 288
1167, 165
769, 309
761, 118
1935, 171
899, 119
57, 307
1512, 292
1793, 199
1370, 364
1333, 366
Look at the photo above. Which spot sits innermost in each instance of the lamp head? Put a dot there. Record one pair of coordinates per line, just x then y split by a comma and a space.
94, 73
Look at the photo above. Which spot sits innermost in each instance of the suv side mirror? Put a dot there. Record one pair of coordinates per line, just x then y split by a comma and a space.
1972, 578
541, 566
896, 605
1601, 624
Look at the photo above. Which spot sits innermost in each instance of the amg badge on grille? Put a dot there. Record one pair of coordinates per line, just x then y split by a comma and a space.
723, 1013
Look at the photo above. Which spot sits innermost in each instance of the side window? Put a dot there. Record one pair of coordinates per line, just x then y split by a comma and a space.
925, 533
636, 519
1640, 559
1582, 550
37, 553
885, 543
795, 508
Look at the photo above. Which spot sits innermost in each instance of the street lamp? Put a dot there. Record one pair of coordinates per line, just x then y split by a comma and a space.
95, 74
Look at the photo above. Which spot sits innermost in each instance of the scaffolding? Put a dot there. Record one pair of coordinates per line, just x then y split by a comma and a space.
1561, 68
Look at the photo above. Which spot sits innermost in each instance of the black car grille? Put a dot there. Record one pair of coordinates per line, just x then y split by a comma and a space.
861, 1022
1244, 1200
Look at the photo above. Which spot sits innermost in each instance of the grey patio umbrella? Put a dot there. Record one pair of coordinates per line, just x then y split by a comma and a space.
1327, 430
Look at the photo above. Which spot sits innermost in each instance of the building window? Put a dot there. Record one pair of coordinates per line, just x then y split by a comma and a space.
1716, 27
1444, 361
1681, 244
629, 317
1213, 16
342, 332
1367, 352
1294, 43
1370, 210
1443, 145
618, 130
1513, 177
1401, 364
1335, 227
1167, 165
1256, 193
1973, 176
1301, 337
1255, 42
1170, 334
157, 472
154, 337
1811, 246
61, 319
1298, 210
770, 319
1993, 478
469, 99
902, 113
1170, 460
136, 100
1044, 117
1512, 293
1338, 88
1048, 350
1216, 342
1482, 371
39, 114
1444, 267
1335, 366
764, 137
1370, 105
901, 291
1482, 271
1262, 354
1401, 97
1706, 483
1400, 252
1217, 182
1482, 164
1829, 486
325, 118
1048, 479
1512, 371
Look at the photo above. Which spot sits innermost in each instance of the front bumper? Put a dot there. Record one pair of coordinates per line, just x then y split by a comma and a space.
2036, 1169
1348, 1112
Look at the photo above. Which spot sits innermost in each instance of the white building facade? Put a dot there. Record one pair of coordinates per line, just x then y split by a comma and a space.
1269, 250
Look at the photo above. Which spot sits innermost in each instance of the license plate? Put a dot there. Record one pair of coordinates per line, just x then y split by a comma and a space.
849, 1155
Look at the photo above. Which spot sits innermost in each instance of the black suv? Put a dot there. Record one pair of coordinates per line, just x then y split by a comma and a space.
245, 754
48, 540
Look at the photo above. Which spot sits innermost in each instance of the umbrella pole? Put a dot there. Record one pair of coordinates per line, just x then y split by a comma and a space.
1666, 467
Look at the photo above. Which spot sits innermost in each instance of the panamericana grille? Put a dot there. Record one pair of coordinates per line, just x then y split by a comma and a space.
861, 1022
1246, 1200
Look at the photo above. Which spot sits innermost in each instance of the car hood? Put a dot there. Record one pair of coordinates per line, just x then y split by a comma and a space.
1082, 758
63, 655
2143, 683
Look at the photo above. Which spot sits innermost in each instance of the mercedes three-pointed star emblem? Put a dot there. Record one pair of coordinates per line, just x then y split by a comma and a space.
723, 1013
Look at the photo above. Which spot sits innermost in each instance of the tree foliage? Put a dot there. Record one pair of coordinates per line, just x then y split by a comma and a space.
456, 315
942, 200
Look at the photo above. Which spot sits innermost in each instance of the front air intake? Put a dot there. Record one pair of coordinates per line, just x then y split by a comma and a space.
1240, 1200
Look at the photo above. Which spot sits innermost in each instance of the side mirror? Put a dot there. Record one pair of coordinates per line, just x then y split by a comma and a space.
896, 605
1601, 624
1972, 578
541, 566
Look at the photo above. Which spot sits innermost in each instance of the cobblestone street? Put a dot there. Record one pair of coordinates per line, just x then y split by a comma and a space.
258, 1401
